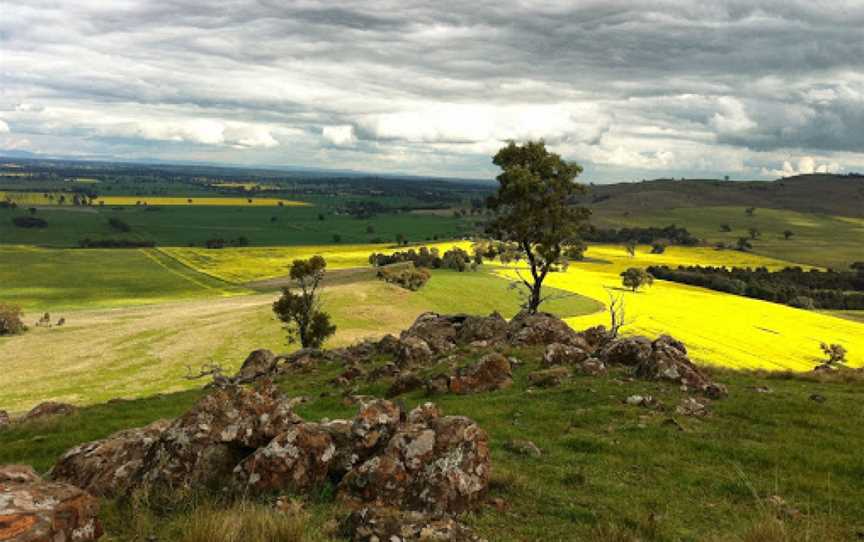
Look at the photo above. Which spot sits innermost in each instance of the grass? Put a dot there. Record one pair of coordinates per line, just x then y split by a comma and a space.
718, 328
51, 280
609, 471
822, 240
148, 349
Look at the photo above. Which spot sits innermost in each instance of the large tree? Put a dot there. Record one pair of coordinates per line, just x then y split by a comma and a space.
300, 310
535, 208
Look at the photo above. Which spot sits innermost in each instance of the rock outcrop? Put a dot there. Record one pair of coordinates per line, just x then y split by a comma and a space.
391, 524
49, 409
33, 510
5, 420
491, 372
259, 363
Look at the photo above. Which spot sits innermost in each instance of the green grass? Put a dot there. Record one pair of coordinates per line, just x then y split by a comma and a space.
820, 240
606, 467
50, 280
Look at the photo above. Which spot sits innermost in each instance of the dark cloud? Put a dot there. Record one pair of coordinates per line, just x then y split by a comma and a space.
626, 87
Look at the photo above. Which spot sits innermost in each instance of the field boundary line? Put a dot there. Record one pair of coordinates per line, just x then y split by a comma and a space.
147, 253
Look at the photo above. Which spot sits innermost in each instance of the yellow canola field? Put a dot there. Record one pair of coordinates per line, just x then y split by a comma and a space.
718, 328
239, 265
32, 198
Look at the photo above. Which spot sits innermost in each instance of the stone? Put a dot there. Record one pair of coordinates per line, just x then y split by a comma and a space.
107, 467
646, 401
5, 420
404, 383
384, 524
482, 329
491, 372
549, 378
592, 367
259, 363
438, 385
669, 361
628, 351
523, 447
388, 345
440, 466
373, 427
297, 460
438, 331
205, 444
49, 409
596, 337
33, 510
413, 351
818, 398
563, 354
387, 370
691, 407
542, 328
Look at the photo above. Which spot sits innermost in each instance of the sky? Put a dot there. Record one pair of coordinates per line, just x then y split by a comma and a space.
630, 90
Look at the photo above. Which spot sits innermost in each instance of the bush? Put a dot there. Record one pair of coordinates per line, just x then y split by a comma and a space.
405, 275
29, 222
119, 225
10, 320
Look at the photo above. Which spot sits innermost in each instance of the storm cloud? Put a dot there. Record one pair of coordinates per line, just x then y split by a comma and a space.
630, 89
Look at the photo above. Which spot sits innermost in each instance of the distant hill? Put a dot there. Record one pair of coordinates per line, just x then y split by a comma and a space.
841, 195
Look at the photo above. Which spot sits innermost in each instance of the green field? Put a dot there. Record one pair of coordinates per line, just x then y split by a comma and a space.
822, 240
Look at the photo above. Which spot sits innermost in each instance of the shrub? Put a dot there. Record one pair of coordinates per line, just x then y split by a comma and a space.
456, 259
405, 275
119, 225
635, 277
10, 320
29, 222
802, 302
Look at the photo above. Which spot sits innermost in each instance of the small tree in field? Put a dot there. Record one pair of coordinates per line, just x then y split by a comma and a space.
301, 311
534, 209
787, 234
635, 277
10, 320
835, 354
743, 244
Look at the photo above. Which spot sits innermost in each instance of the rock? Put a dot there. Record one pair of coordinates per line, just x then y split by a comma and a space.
487, 329
592, 367
18, 474
404, 383
392, 525
492, 372
424, 414
438, 384
205, 444
542, 328
596, 337
297, 460
524, 447
388, 345
352, 372
439, 466
563, 354
818, 398
373, 427
646, 401
628, 351
437, 331
344, 456
761, 389
550, 377
384, 371
691, 407
304, 358
5, 420
106, 467
32, 510
49, 409
413, 351
669, 361
258, 363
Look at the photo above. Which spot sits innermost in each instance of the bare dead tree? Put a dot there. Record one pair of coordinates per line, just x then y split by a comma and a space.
211, 369
617, 313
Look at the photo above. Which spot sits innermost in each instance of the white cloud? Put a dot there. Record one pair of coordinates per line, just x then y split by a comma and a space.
806, 165
339, 135
4, 128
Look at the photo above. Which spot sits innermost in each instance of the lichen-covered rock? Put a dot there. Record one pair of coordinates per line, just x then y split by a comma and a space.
592, 367
388, 345
107, 467
691, 407
489, 329
438, 384
205, 444
596, 337
32, 510
542, 328
492, 372
563, 354
629, 351
258, 364
549, 378
383, 371
669, 361
374, 426
437, 331
48, 409
393, 525
404, 383
438, 466
297, 460
413, 351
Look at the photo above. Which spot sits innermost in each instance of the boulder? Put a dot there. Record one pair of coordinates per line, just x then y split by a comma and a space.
259, 363
373, 427
438, 331
596, 337
49, 409
390, 524
492, 372
32, 510
404, 383
106, 467
489, 329
592, 367
439, 465
691, 407
549, 378
388, 345
628, 351
669, 361
542, 328
413, 351
297, 460
384, 371
438, 384
524, 447
5, 420
563, 354
205, 444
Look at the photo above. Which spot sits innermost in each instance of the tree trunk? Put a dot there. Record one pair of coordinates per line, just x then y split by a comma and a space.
534, 300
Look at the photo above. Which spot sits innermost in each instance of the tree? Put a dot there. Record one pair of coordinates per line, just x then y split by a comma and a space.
10, 320
636, 277
534, 208
835, 353
750, 211
400, 239
630, 247
658, 247
743, 244
754, 233
787, 234
301, 311
725, 228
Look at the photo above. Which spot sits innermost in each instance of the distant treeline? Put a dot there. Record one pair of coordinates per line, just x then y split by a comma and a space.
29, 222
115, 243
219, 242
672, 235
455, 258
837, 290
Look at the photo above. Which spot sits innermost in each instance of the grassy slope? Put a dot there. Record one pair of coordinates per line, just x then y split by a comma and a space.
607, 468
718, 328
145, 350
821, 240
50, 280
